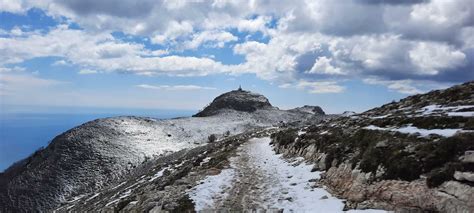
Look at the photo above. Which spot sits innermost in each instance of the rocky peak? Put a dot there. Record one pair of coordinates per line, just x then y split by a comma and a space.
240, 100
316, 110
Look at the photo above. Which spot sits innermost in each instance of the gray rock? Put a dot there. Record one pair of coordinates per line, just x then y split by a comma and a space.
468, 157
464, 176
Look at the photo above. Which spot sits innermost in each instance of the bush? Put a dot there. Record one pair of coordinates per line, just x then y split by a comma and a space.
285, 137
438, 176
212, 138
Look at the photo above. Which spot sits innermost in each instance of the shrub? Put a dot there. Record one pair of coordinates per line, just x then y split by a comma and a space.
212, 138
438, 176
285, 137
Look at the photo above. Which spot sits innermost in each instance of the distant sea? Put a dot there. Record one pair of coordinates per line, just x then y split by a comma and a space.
23, 133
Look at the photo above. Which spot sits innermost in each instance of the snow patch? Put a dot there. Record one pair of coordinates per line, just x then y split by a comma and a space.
157, 175
301, 132
415, 130
461, 114
449, 110
205, 160
380, 117
205, 194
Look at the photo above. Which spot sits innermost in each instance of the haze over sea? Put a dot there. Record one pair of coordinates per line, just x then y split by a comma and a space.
22, 133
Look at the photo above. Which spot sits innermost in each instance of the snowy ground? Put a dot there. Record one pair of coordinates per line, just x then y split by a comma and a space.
409, 129
258, 178
449, 110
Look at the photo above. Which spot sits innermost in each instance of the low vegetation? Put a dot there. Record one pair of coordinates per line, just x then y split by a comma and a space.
390, 155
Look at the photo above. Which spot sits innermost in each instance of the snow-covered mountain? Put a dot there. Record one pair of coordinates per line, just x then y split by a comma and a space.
94, 155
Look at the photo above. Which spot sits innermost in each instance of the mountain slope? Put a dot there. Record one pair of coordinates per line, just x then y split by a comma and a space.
99, 153
415, 154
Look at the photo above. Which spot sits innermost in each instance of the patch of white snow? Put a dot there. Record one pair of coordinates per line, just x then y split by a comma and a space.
415, 130
211, 188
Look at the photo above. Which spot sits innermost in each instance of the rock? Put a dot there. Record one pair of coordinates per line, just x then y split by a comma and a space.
323, 197
348, 113
181, 182
213, 171
381, 144
310, 109
468, 157
464, 176
462, 192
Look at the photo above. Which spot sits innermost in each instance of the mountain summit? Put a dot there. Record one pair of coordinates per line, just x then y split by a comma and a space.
239, 100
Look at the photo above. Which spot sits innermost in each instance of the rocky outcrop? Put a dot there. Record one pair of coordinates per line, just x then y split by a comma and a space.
362, 192
239, 100
309, 109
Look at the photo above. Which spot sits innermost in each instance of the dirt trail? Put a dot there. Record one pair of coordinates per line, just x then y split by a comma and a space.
260, 179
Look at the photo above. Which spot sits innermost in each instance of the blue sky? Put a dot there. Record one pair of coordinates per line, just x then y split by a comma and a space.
352, 55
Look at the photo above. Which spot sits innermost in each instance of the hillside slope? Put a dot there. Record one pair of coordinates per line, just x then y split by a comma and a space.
414, 154
99, 153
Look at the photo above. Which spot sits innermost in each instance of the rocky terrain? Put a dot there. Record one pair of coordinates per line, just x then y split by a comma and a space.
414, 155
411, 155
96, 154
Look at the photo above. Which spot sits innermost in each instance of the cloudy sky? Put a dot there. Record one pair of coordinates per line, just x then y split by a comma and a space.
179, 54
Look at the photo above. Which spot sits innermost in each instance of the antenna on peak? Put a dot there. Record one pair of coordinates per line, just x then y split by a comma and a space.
240, 88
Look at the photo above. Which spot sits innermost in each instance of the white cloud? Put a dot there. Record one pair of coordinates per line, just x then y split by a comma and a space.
61, 63
322, 65
175, 87
103, 52
87, 72
431, 58
11, 6
409, 87
173, 31
316, 87
390, 40
12, 69
214, 39
254, 25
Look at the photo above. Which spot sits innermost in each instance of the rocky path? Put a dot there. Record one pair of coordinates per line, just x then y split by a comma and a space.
258, 178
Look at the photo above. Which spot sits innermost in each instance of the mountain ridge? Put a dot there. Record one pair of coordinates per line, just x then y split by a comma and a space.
96, 153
